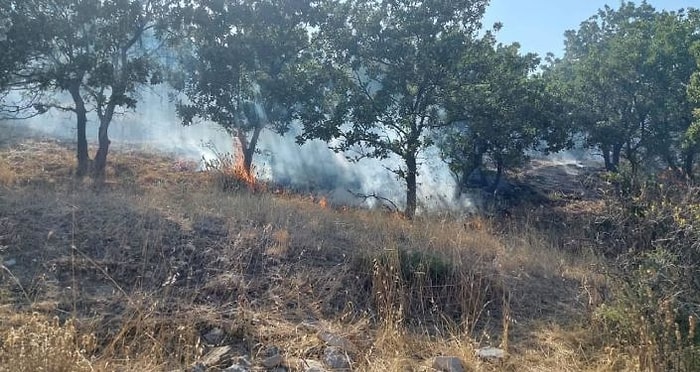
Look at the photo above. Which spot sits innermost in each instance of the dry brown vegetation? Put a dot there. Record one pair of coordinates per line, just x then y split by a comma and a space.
130, 275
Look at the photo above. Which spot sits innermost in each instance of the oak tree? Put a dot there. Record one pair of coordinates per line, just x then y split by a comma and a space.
627, 70
97, 51
244, 66
394, 61
503, 110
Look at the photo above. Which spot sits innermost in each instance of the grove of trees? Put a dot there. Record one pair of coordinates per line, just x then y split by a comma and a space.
373, 78
95, 51
626, 72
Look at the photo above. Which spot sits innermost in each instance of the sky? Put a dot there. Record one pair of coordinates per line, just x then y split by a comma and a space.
539, 25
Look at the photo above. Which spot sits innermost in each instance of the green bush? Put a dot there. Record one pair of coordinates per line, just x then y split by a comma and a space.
652, 230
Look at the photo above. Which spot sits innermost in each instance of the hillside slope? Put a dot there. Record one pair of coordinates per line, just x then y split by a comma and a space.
158, 267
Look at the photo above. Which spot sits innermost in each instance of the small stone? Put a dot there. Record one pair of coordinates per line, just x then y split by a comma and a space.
310, 365
243, 360
272, 350
448, 364
337, 341
273, 361
214, 336
236, 368
216, 357
9, 263
335, 358
308, 326
490, 353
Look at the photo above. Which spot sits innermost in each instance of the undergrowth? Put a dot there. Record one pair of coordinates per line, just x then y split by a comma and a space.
146, 264
651, 230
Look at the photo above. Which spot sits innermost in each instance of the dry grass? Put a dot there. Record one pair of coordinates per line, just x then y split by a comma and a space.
130, 275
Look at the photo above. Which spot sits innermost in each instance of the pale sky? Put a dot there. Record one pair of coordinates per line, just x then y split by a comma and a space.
539, 25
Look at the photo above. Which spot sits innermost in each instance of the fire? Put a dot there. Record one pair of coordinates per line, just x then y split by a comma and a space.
323, 202
239, 171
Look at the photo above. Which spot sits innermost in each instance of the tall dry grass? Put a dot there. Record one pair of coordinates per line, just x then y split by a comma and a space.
147, 263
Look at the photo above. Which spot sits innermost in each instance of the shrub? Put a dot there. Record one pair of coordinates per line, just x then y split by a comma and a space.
653, 232
420, 288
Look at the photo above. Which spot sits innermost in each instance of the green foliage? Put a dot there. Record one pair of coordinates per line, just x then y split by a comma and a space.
626, 71
95, 50
418, 287
249, 58
17, 41
653, 230
415, 264
502, 109
691, 137
394, 62
651, 316
87, 39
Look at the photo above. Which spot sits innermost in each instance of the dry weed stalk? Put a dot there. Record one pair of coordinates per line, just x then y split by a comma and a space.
179, 258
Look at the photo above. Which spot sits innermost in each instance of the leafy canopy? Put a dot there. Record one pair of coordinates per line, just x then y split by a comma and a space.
394, 61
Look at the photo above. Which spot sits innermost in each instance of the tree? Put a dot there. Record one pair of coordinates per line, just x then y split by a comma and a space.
247, 62
18, 44
395, 60
97, 52
626, 70
503, 109
690, 143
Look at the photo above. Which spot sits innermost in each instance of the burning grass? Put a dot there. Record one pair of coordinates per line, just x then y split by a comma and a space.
133, 274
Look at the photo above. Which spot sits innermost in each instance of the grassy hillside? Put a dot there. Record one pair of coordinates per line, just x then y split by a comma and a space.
160, 265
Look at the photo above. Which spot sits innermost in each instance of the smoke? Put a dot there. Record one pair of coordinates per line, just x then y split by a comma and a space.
152, 126
366, 182
312, 167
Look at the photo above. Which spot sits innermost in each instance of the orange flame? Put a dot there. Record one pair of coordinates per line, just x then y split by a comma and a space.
239, 171
323, 202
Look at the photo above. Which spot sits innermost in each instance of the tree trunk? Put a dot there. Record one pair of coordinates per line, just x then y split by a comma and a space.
247, 149
101, 156
81, 113
688, 163
103, 138
411, 186
615, 161
607, 158
472, 172
249, 152
499, 175
631, 155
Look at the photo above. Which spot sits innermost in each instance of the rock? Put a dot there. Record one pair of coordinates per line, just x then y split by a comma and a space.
215, 336
309, 365
448, 364
216, 357
273, 361
9, 263
309, 326
272, 350
244, 361
236, 368
492, 353
337, 341
335, 358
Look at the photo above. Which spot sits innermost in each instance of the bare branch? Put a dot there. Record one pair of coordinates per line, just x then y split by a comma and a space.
386, 202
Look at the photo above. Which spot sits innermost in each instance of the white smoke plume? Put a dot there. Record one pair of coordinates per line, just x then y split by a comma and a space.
311, 167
